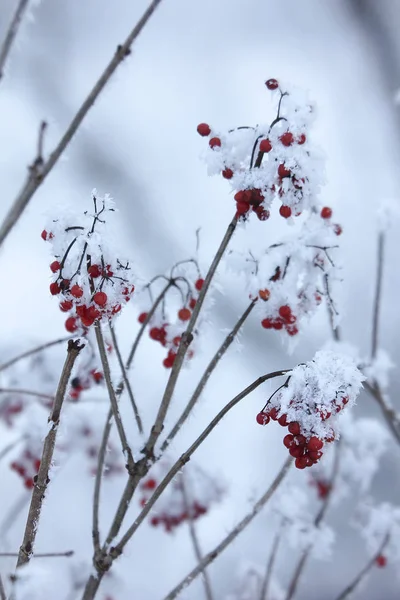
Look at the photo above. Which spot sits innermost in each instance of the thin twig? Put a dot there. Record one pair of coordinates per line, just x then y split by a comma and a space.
185, 457
35, 350
364, 572
317, 522
211, 556
195, 541
378, 292
67, 554
97, 484
126, 380
37, 176
2, 590
11, 34
26, 393
42, 478
11, 446
113, 398
271, 563
391, 416
186, 340
206, 376
331, 310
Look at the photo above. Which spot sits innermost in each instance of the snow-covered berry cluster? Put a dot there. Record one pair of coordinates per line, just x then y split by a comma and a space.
187, 498
269, 161
309, 403
90, 281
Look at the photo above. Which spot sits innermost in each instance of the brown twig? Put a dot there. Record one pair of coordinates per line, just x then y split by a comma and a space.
317, 522
331, 310
97, 484
271, 563
206, 376
364, 572
11, 34
28, 353
2, 590
11, 446
211, 556
391, 416
67, 554
125, 379
42, 478
26, 393
113, 398
378, 292
37, 176
195, 541
186, 339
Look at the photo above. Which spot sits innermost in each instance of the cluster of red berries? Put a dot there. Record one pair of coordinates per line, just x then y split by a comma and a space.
326, 213
170, 520
161, 334
27, 466
84, 382
284, 320
10, 408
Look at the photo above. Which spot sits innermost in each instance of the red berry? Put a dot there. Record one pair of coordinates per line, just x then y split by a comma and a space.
296, 451
278, 325
301, 139
70, 324
285, 211
54, 289
283, 420
66, 305
214, 142
294, 428
262, 418
46, 236
300, 440
288, 441
142, 317
323, 489
287, 138
242, 208
337, 229
100, 298
199, 284
150, 484
326, 212
285, 312
97, 375
177, 340
203, 129
93, 312
272, 84
302, 462
292, 330
55, 266
154, 521
264, 294
265, 146
184, 314
381, 560
94, 271
155, 333
87, 321
227, 173
192, 303
77, 291
262, 213
283, 171
315, 456
273, 413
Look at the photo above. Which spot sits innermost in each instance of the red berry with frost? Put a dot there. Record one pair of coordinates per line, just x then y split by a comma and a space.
242, 207
273, 413
272, 84
66, 305
262, 213
264, 294
262, 418
94, 271
294, 428
292, 330
296, 451
314, 444
203, 129
326, 212
283, 171
87, 321
93, 312
215, 142
288, 441
100, 298
142, 317
265, 146
199, 284
70, 324
302, 462
266, 323
285, 312
315, 456
184, 314
54, 289
55, 266
285, 211
283, 420
46, 236
227, 173
301, 139
300, 440
77, 291
278, 325
337, 229
381, 561
287, 138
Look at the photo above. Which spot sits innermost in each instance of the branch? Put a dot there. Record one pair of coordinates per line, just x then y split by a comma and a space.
26, 393
186, 339
391, 416
364, 572
2, 590
271, 562
11, 34
378, 291
11, 446
113, 398
331, 310
97, 485
33, 351
206, 376
42, 478
185, 457
37, 176
67, 554
211, 556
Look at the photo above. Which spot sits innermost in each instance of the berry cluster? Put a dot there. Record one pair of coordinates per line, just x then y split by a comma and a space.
285, 319
268, 161
169, 333
27, 466
92, 285
83, 382
10, 408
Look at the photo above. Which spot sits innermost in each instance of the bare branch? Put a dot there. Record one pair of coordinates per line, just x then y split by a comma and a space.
11, 34
211, 556
33, 351
26, 393
391, 416
42, 478
97, 484
378, 292
186, 340
11, 446
206, 376
2, 590
126, 380
364, 572
37, 176
67, 554
271, 562
331, 310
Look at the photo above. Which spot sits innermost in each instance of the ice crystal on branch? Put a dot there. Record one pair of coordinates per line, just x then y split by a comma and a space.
91, 282
309, 403
269, 161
